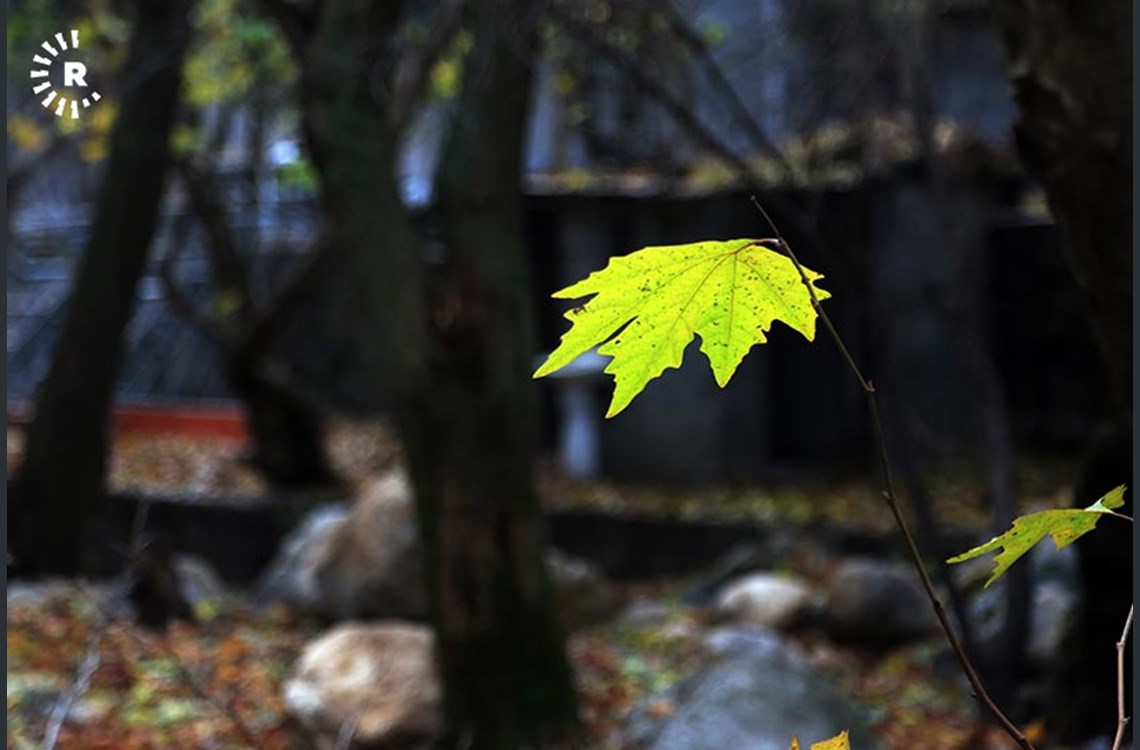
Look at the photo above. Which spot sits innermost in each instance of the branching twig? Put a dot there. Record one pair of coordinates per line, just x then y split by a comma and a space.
408, 89
682, 113
679, 109
181, 304
713, 72
298, 281
892, 502
1121, 718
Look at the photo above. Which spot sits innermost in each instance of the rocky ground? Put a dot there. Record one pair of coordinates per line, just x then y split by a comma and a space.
762, 651
100, 683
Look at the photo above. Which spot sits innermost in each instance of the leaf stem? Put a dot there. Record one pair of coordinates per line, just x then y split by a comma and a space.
892, 503
1121, 719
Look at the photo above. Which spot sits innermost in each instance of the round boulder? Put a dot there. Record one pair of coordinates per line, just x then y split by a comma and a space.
359, 562
375, 682
876, 602
766, 600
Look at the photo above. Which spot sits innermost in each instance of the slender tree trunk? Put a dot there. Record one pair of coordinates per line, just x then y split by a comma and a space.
508, 682
345, 119
67, 442
457, 368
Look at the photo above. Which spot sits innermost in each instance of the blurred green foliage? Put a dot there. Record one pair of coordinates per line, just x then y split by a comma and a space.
236, 55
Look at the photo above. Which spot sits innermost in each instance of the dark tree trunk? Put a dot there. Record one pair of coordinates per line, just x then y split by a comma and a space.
1071, 69
286, 432
67, 442
458, 369
508, 683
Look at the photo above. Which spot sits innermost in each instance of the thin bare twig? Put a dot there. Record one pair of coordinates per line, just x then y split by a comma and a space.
713, 72
92, 659
1121, 718
681, 111
200, 321
892, 502
348, 731
67, 700
108, 616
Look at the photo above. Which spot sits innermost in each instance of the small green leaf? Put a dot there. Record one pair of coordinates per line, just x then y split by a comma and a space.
1112, 500
649, 305
1065, 526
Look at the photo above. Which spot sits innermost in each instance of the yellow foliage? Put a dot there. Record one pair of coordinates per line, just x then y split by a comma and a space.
232, 54
26, 133
564, 83
96, 130
445, 78
212, 77
93, 149
838, 742
103, 117
448, 70
184, 139
69, 126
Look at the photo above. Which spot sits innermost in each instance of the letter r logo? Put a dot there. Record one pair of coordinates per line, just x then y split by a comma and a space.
74, 74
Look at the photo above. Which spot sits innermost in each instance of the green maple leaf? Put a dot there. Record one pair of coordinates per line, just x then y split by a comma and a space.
1065, 526
657, 299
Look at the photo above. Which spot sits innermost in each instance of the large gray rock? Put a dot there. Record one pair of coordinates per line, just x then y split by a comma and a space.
363, 562
39, 593
1054, 609
375, 682
291, 577
760, 694
1055, 601
199, 583
767, 600
876, 602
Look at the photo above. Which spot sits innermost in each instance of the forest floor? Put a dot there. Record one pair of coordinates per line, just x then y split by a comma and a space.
217, 683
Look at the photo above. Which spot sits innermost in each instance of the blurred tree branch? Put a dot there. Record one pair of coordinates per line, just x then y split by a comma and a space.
283, 420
